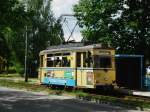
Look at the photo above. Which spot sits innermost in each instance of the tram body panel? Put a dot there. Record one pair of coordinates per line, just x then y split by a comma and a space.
79, 78
104, 77
88, 77
59, 76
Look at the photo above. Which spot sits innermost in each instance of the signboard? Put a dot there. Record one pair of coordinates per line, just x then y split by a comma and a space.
68, 74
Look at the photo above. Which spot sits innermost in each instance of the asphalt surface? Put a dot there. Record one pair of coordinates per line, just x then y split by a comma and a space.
12, 100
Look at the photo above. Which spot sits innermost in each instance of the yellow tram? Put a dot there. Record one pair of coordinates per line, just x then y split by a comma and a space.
78, 65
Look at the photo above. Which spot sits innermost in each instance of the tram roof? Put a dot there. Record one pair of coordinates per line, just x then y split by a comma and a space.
77, 46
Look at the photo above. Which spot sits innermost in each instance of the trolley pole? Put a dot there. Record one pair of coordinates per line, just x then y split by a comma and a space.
26, 50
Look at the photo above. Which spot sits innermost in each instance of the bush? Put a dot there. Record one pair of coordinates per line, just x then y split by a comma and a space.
12, 70
19, 69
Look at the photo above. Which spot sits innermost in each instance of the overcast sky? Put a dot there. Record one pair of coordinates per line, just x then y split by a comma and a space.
65, 7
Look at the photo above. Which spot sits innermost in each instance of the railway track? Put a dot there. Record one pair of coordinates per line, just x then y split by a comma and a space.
138, 98
123, 97
114, 94
126, 101
118, 95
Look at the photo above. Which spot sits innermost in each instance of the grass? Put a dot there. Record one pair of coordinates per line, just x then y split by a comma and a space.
18, 84
10, 75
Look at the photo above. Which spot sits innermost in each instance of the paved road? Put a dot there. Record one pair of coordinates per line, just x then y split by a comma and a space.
12, 100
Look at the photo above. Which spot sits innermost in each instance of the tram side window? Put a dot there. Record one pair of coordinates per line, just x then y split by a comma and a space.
57, 62
65, 62
87, 60
50, 62
78, 60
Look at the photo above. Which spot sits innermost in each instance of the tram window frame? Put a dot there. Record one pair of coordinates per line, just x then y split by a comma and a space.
78, 59
103, 62
50, 62
87, 59
50, 58
57, 61
65, 61
41, 60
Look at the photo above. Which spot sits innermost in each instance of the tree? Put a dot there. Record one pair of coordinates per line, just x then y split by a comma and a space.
12, 20
124, 24
44, 30
131, 31
94, 17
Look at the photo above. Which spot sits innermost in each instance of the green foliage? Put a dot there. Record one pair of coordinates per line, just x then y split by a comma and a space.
11, 75
19, 68
131, 31
12, 21
124, 24
43, 30
94, 17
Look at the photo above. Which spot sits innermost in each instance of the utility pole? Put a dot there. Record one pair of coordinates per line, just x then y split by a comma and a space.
26, 50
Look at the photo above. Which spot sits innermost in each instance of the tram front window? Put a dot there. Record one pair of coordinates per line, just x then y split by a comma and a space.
103, 62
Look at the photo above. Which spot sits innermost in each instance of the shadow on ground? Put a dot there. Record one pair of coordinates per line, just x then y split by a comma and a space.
19, 101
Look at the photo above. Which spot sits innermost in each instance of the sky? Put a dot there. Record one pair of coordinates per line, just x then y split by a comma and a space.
60, 7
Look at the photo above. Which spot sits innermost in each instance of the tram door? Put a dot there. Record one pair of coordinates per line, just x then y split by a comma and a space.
79, 65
